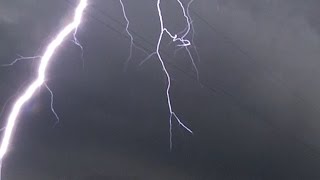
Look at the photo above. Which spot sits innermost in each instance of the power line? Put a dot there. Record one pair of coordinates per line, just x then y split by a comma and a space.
203, 84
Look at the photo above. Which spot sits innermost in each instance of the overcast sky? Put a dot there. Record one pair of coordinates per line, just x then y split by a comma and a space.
255, 109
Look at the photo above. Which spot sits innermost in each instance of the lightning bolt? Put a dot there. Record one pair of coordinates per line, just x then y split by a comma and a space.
129, 34
58, 40
184, 43
40, 80
193, 31
132, 44
76, 42
20, 59
51, 106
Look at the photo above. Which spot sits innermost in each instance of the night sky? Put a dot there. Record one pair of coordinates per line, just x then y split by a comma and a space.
254, 111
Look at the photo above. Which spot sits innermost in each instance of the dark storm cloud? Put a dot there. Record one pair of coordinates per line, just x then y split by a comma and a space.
7, 14
283, 47
260, 90
13, 11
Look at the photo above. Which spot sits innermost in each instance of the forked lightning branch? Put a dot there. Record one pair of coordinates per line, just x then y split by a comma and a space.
71, 29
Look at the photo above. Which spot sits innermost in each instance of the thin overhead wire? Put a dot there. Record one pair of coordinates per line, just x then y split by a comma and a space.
216, 90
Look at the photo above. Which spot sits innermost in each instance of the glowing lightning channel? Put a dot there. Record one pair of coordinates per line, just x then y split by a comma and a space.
132, 44
187, 16
51, 105
129, 34
193, 31
21, 58
76, 42
185, 43
51, 48
37, 83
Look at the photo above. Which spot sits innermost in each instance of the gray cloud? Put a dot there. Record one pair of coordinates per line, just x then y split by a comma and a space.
259, 66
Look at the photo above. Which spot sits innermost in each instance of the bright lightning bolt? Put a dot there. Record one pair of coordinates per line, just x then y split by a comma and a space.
72, 27
39, 81
185, 43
